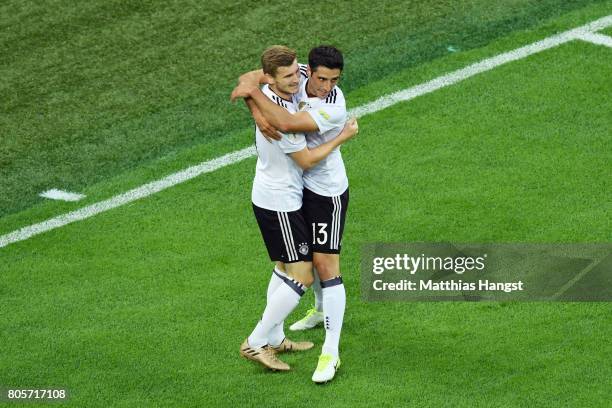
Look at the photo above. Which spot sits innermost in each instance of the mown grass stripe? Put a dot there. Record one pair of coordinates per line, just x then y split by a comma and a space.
482, 66
237, 156
127, 197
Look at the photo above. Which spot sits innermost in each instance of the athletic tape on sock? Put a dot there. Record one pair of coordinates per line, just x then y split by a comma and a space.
332, 282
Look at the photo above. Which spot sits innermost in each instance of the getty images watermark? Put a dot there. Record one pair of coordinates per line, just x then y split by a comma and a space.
422, 263
478, 272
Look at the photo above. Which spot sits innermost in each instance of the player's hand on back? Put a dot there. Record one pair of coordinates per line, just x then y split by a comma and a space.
268, 131
351, 128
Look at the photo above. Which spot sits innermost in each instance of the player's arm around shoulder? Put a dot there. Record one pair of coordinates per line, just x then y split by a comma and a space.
329, 115
307, 158
297, 122
319, 119
256, 76
268, 131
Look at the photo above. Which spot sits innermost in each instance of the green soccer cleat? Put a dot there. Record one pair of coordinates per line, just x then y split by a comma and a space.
312, 319
326, 369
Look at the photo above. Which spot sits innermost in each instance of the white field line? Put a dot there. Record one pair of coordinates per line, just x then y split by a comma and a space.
239, 155
576, 278
127, 197
55, 194
482, 66
595, 38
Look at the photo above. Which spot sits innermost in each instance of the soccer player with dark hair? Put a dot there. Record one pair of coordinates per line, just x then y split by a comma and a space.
277, 204
321, 116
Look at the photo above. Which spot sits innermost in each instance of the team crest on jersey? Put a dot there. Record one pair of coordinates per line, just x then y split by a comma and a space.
303, 105
303, 248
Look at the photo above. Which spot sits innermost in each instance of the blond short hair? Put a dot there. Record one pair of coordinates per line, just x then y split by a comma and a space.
277, 56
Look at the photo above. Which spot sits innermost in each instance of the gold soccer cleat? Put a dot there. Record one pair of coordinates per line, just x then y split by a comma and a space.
265, 356
287, 346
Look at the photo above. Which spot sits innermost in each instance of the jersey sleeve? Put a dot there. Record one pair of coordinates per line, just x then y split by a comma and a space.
328, 116
292, 142
303, 70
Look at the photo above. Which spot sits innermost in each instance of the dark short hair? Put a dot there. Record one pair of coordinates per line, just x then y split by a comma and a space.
327, 56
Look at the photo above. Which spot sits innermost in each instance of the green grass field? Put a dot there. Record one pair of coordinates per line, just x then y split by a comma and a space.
146, 305
110, 86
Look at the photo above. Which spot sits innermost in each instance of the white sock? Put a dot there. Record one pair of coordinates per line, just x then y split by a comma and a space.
277, 333
317, 290
334, 299
282, 302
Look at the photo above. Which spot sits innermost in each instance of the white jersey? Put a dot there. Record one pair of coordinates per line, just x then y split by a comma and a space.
328, 177
278, 179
